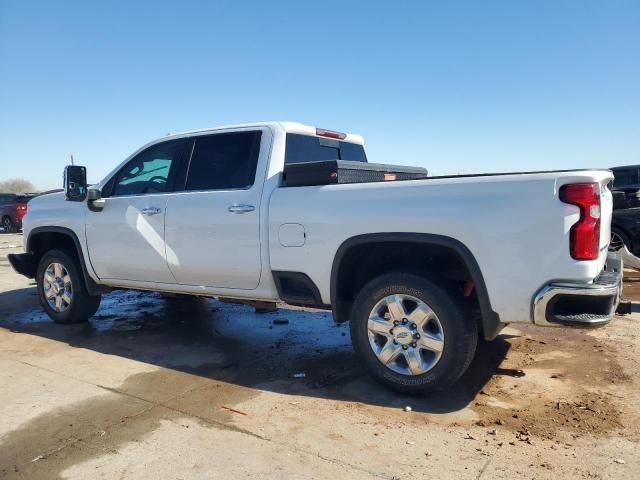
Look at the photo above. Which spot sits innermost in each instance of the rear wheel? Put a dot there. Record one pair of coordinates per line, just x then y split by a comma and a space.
7, 225
61, 288
411, 334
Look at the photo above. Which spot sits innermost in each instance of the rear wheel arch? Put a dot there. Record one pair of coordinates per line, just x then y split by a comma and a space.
43, 239
345, 271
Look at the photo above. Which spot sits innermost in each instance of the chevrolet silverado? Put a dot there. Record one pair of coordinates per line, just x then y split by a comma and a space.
420, 268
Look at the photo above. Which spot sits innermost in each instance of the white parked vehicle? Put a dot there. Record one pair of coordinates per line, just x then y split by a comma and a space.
420, 268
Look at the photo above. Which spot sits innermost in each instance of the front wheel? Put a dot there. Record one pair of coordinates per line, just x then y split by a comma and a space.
411, 334
62, 291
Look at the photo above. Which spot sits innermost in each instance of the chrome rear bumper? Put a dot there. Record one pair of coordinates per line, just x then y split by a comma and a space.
581, 304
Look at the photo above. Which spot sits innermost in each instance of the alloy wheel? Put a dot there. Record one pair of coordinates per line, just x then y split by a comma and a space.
405, 334
57, 287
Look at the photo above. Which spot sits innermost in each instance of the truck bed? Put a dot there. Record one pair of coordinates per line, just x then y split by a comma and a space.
516, 216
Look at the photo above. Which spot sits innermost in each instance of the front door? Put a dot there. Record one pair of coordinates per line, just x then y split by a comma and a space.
212, 229
126, 238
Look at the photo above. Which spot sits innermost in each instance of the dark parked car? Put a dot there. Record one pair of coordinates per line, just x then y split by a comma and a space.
626, 184
13, 206
625, 223
626, 177
625, 230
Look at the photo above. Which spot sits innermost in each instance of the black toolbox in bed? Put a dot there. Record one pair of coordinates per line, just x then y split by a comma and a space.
345, 171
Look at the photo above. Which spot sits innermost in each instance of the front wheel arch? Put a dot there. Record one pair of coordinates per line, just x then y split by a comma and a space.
43, 239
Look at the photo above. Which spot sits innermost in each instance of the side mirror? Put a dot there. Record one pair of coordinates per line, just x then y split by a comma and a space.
95, 202
75, 183
94, 194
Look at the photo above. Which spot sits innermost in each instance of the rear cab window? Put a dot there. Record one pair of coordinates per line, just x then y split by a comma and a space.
307, 148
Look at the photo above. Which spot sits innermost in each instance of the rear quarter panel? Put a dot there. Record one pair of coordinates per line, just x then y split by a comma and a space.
514, 225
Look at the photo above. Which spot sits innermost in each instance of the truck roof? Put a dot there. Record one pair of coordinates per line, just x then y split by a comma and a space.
288, 127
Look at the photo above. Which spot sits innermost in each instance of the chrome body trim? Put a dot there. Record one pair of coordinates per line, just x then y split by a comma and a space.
611, 286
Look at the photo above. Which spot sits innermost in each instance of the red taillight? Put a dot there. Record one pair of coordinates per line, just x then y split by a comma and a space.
321, 132
21, 211
585, 234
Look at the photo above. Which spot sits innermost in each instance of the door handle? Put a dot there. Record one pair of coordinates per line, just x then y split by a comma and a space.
150, 211
237, 208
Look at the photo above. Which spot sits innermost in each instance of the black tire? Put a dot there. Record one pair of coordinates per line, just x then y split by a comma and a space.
460, 333
623, 237
82, 306
8, 226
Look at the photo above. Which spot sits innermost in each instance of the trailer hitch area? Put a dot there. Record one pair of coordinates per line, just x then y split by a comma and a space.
624, 308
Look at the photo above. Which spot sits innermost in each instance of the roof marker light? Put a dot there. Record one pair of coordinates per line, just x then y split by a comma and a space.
321, 132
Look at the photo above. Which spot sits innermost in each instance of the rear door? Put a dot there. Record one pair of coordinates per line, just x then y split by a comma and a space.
125, 239
212, 229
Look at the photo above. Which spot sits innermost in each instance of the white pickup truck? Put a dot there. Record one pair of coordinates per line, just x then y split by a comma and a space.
420, 268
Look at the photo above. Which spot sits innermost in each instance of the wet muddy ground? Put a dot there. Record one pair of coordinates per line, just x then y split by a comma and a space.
166, 388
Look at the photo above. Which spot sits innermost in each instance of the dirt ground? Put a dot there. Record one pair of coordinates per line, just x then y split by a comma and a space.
157, 388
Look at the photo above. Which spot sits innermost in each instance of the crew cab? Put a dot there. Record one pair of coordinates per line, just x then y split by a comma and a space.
420, 268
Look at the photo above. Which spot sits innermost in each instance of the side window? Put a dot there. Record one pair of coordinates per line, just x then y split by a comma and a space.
624, 177
224, 161
151, 171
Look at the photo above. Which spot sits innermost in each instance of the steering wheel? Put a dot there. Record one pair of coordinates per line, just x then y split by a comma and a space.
159, 180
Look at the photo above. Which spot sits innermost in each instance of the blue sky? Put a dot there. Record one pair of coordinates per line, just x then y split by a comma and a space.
458, 87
